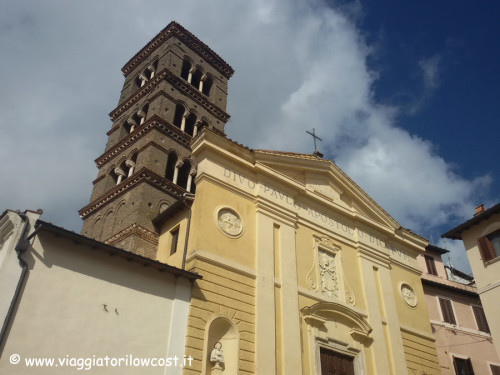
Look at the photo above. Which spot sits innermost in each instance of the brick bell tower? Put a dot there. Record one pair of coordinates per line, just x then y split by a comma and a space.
174, 86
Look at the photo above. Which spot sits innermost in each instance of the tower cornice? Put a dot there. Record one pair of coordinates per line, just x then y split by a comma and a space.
180, 85
173, 29
144, 175
155, 122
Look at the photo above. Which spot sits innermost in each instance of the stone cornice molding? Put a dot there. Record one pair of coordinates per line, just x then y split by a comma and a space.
205, 256
358, 322
173, 29
134, 230
155, 122
180, 84
143, 175
416, 332
374, 256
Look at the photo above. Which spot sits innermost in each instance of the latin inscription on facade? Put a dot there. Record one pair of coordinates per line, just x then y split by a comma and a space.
337, 225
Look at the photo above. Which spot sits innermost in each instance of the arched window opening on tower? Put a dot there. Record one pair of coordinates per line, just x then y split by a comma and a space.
179, 113
130, 164
141, 80
199, 126
146, 74
137, 119
129, 125
184, 174
143, 113
195, 81
207, 85
117, 174
186, 67
151, 70
190, 123
171, 163
190, 185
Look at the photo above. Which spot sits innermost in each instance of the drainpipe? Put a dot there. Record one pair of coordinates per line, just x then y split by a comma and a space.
183, 266
22, 245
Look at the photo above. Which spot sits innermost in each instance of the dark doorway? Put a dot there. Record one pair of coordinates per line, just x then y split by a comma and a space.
333, 363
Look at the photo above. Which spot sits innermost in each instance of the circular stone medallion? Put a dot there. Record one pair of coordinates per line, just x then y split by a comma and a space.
229, 222
408, 295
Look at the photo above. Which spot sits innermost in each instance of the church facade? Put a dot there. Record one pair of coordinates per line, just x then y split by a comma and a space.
301, 269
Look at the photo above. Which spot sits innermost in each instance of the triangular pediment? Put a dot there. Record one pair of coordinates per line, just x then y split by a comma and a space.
323, 179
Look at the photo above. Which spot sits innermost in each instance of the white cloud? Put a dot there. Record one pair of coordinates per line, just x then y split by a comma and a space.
298, 65
457, 256
430, 71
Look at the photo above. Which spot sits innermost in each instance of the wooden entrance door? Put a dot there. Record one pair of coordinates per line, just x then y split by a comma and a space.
333, 363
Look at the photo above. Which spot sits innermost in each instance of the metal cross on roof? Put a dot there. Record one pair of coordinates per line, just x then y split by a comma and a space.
314, 137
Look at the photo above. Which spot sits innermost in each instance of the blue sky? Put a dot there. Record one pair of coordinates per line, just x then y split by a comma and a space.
461, 37
457, 105
404, 95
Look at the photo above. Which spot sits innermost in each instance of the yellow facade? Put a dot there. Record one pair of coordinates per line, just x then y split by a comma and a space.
295, 259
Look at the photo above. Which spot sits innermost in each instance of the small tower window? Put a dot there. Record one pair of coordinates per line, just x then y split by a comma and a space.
118, 175
195, 81
130, 165
186, 67
179, 112
141, 80
207, 85
170, 169
183, 174
129, 125
190, 121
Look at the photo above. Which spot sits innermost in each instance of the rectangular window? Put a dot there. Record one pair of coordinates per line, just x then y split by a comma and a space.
495, 370
431, 265
490, 245
447, 310
462, 366
482, 323
175, 237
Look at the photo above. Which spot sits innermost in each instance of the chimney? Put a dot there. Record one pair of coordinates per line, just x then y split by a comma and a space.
479, 209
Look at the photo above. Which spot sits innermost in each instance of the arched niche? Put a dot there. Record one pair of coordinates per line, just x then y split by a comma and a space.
223, 330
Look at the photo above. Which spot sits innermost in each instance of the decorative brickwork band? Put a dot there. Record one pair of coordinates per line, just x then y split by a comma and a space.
144, 175
134, 230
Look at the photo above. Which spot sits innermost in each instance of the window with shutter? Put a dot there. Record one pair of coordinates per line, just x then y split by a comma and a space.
463, 366
490, 245
447, 310
482, 323
431, 265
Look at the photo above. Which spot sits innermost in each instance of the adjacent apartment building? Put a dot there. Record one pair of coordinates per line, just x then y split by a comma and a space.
463, 340
481, 238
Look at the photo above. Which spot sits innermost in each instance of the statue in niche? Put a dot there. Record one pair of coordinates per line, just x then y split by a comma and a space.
328, 275
216, 356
